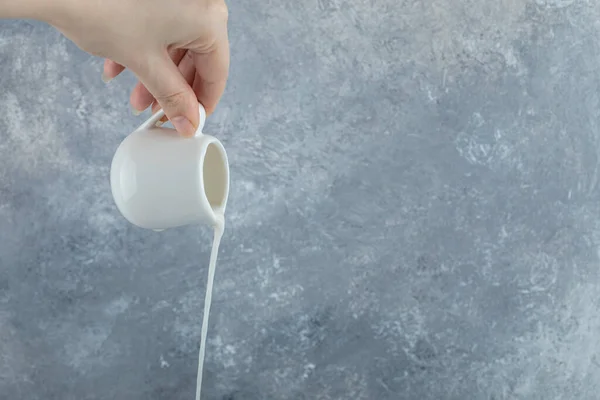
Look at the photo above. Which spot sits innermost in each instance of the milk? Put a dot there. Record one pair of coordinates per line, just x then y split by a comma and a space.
219, 228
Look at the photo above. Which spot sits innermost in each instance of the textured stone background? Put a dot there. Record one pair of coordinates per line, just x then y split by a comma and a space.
414, 213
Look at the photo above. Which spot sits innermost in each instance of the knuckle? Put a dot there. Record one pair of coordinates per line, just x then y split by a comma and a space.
219, 10
171, 101
224, 13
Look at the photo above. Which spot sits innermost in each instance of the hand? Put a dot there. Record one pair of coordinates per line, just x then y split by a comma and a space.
178, 49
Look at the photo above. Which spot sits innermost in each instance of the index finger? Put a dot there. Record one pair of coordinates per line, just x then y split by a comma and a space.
212, 71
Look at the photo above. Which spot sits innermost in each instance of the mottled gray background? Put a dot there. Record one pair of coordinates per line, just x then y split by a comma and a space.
414, 213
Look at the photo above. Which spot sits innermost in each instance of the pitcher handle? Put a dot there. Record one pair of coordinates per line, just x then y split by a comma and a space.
150, 122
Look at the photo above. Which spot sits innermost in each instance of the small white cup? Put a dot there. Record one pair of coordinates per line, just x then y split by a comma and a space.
160, 180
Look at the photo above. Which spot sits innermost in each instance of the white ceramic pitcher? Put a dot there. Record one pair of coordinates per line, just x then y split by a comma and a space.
161, 180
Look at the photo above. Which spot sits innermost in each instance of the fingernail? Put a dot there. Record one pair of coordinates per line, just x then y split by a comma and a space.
105, 78
183, 126
135, 112
162, 121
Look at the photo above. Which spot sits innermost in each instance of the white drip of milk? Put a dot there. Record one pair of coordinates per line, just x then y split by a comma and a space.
219, 228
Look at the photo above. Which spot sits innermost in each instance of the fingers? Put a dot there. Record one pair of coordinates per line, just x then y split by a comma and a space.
187, 67
162, 78
212, 70
111, 70
208, 72
141, 98
188, 71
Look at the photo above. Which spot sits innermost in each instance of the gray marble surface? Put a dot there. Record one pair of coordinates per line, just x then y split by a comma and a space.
414, 213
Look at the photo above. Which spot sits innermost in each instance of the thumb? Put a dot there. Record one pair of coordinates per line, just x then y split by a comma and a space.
164, 81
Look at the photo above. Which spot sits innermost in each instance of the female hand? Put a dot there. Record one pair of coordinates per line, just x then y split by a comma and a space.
178, 49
